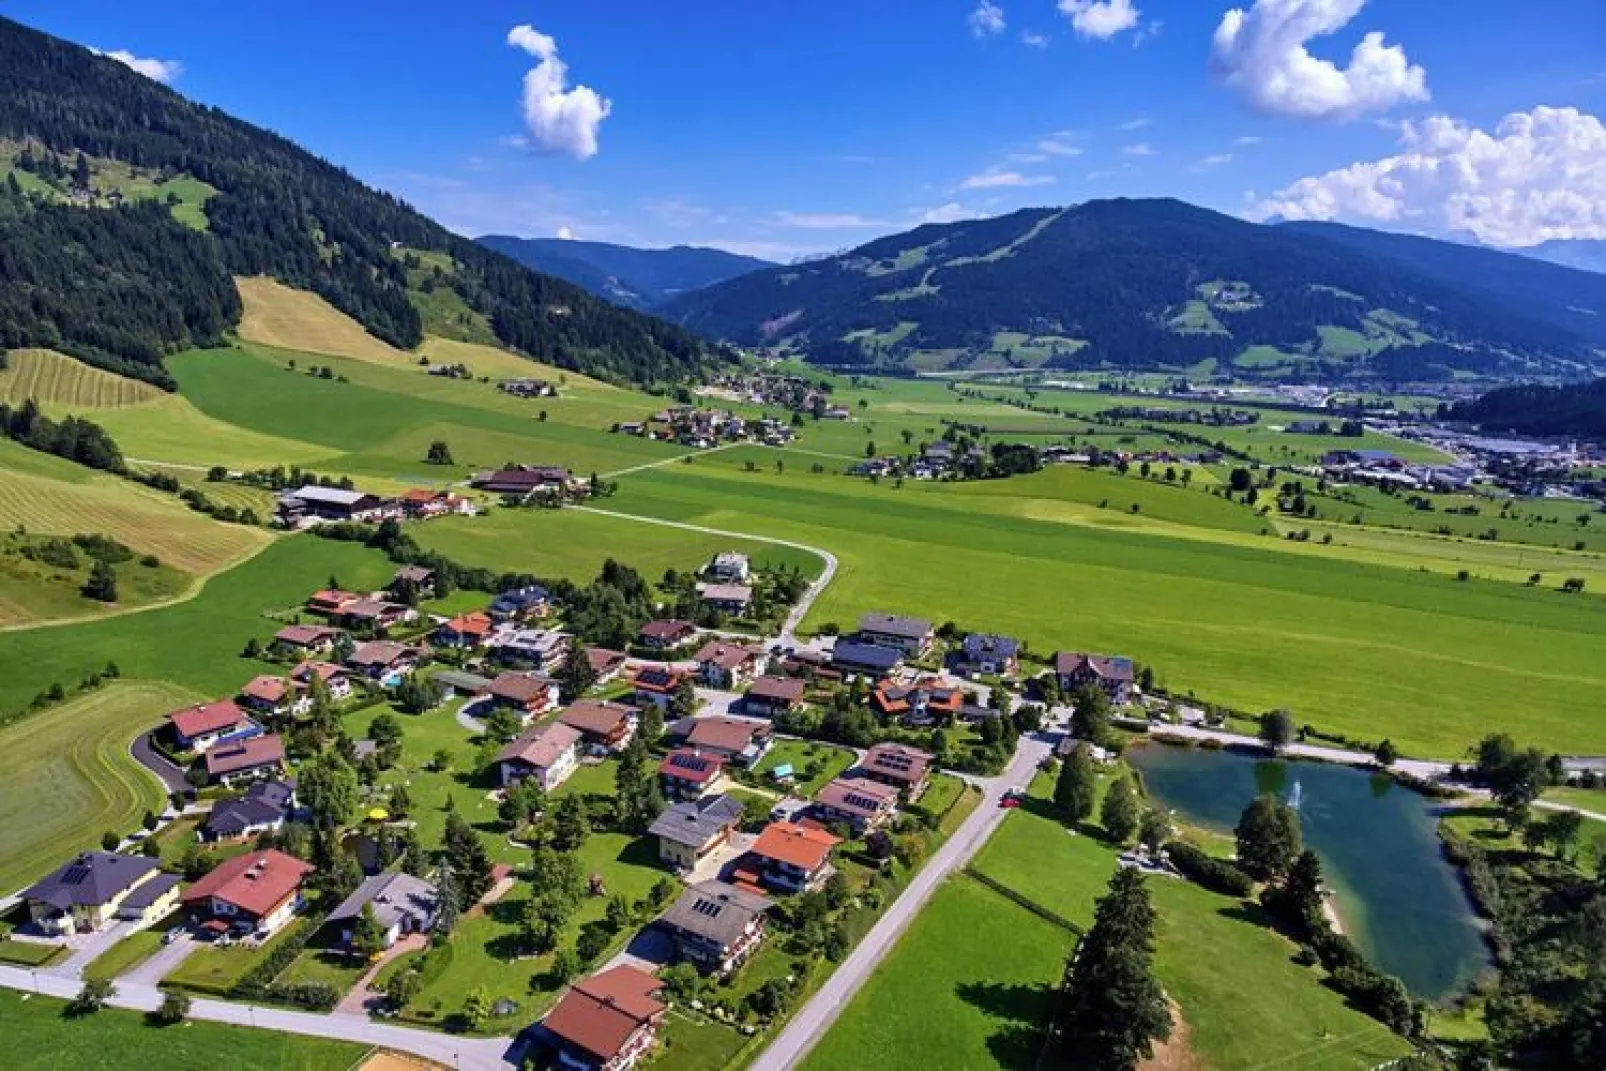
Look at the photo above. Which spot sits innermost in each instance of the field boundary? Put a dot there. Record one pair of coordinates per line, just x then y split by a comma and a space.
1052, 917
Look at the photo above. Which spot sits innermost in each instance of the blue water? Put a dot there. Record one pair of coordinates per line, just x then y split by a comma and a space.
1401, 902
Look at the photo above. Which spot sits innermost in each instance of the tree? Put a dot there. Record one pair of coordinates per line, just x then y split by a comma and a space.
110, 840
651, 727
1514, 777
1114, 1007
102, 583
683, 704
1268, 838
1386, 753
593, 942
95, 995
328, 788
402, 987
521, 802
470, 862
1122, 811
368, 936
1277, 729
543, 922
174, 1009
503, 724
417, 694
1241, 480
1154, 830
576, 677
1091, 718
477, 1008
1297, 900
636, 787
1562, 830
439, 453
1077, 786
569, 825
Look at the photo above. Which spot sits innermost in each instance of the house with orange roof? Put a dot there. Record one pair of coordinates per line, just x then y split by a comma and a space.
789, 857
331, 602
275, 697
466, 632
925, 702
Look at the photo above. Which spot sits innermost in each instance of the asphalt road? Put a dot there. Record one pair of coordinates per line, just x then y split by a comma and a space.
154, 761
815, 1018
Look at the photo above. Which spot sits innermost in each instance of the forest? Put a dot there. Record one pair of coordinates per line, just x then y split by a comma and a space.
1537, 410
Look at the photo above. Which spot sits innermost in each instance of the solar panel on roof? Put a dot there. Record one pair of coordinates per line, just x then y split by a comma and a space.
75, 875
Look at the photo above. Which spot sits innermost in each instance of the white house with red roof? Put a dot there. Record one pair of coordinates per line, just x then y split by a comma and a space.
199, 727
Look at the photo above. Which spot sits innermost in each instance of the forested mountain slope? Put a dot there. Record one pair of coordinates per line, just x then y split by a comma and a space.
277, 211
1159, 283
1571, 410
635, 278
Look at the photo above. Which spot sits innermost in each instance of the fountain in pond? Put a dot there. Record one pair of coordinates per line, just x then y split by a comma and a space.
1296, 795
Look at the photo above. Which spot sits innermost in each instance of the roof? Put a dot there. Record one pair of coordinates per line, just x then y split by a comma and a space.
800, 846
724, 734
380, 653
474, 624
263, 803
928, 693
1108, 667
982, 645
515, 598
520, 687
789, 689
897, 761
326, 671
395, 896
865, 654
148, 892
727, 593
857, 795
306, 635
92, 879
418, 574
727, 656
600, 1014
541, 746
716, 911
696, 822
667, 629
333, 496
657, 678
467, 682
371, 607
214, 717
334, 596
909, 628
267, 688
596, 718
604, 660
730, 557
689, 764
256, 882
248, 754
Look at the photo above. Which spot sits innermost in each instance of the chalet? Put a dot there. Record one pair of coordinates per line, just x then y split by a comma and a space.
688, 831
735, 740
200, 727
253, 893
466, 632
311, 639
274, 697
528, 693
1110, 673
656, 685
604, 663
734, 599
385, 661
528, 388
716, 926
95, 889
521, 604
857, 801
532, 648
247, 759
264, 808
688, 774
911, 635
771, 697
849, 656
608, 1022
525, 480
788, 857
417, 580
337, 679
927, 701
986, 655
905, 768
311, 505
421, 504
729, 567
663, 635
376, 615
605, 726
401, 904
726, 665
331, 602
549, 753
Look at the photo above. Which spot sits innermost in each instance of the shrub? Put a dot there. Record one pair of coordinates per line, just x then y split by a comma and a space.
1214, 874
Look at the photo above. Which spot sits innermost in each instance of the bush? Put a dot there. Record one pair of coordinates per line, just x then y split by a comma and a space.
174, 1009
1214, 874
314, 996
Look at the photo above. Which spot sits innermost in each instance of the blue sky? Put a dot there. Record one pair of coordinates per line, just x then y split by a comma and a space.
784, 128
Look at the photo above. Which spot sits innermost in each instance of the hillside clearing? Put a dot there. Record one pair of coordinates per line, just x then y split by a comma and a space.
60, 384
277, 315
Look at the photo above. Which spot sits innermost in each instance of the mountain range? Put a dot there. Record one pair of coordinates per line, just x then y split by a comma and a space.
1582, 254
635, 278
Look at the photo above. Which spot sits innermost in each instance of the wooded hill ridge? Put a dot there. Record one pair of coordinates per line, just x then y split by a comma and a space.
278, 211
635, 278
1573, 410
1164, 284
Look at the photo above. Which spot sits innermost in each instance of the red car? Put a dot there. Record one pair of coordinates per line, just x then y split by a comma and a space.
1009, 799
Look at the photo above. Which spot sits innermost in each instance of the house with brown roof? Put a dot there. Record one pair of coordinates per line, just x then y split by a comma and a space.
247, 759
605, 726
716, 926
253, 893
1112, 674
608, 1022
771, 697
665, 634
313, 639
377, 615
331, 602
925, 702
911, 635
689, 774
467, 632
736, 740
604, 663
908, 769
525, 480
337, 679
274, 697
733, 599
200, 727
656, 685
549, 753
789, 857
530, 694
385, 661
726, 665
689, 830
857, 801
417, 579
423, 504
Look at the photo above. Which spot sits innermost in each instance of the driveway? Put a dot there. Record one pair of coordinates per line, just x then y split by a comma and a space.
164, 962
85, 947
154, 761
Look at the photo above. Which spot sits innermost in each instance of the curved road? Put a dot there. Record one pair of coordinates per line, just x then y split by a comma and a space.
154, 761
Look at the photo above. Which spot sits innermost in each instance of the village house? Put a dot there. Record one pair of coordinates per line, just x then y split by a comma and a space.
375, 615
529, 648
656, 685
417, 580
788, 857
608, 1022
607, 727
274, 697
911, 635
734, 740
729, 567
528, 693
331, 602
256, 893
772, 697
726, 665
548, 753
310, 505
95, 889
421, 504
666, 634
525, 480
309, 639
688, 774
385, 661
247, 759
927, 701
1112, 674
908, 769
849, 656
200, 727
716, 926
604, 663
857, 801
264, 808
457, 682
986, 655
521, 604
466, 632
337, 679
528, 388
732, 599
688, 831
401, 904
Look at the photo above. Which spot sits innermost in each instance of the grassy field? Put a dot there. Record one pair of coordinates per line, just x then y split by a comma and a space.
39, 1037
75, 755
173, 431
800, 755
59, 383
33, 591
128, 953
276, 315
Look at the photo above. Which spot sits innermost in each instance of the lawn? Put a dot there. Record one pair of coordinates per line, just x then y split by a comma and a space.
696, 1044
130, 952
39, 1037
214, 971
1587, 799
28, 953
33, 592
75, 755
321, 965
801, 756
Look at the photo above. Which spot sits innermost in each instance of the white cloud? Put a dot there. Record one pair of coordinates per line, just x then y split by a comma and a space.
559, 119
987, 20
1100, 19
1539, 175
156, 70
994, 178
822, 221
1058, 146
1247, 139
1261, 53
1033, 40
1141, 148
1137, 124
1027, 157
566, 233
952, 212
1215, 159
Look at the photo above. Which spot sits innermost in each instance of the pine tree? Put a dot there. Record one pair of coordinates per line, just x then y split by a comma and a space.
102, 583
470, 862
576, 677
1122, 811
1114, 1008
1077, 786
